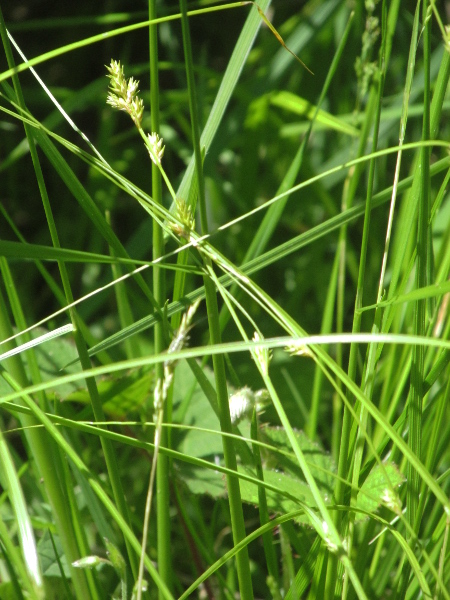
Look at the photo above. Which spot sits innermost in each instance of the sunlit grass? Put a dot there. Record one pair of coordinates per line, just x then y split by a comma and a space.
290, 438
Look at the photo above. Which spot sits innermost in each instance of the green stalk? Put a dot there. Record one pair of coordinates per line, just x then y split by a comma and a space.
264, 517
13, 563
234, 494
420, 308
110, 457
316, 396
30, 573
162, 470
47, 458
418, 353
375, 98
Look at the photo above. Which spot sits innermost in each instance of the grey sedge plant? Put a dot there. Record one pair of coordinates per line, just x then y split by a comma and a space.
123, 95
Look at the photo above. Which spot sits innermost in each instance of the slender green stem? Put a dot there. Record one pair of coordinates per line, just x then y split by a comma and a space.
163, 464
30, 574
418, 355
326, 327
416, 395
110, 457
46, 454
377, 95
269, 549
47, 457
234, 495
372, 117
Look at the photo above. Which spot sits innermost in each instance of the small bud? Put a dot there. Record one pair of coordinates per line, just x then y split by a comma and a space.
241, 403
157, 148
298, 349
116, 558
263, 355
88, 562
392, 501
331, 545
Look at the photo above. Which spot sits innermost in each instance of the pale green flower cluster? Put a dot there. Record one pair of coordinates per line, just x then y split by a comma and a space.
184, 214
178, 342
123, 93
262, 355
157, 148
298, 349
244, 400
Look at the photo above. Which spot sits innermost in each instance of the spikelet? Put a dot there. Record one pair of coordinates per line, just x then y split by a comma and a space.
123, 93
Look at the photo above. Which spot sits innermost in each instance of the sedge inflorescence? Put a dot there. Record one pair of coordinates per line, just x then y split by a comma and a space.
123, 93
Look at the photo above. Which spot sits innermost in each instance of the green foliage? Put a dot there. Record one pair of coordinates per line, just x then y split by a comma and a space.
279, 464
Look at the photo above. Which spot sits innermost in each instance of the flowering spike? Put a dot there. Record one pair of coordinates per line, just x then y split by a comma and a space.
157, 148
298, 349
244, 400
184, 215
262, 355
123, 94
179, 341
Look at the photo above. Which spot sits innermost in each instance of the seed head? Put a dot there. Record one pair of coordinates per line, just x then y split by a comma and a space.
123, 94
157, 148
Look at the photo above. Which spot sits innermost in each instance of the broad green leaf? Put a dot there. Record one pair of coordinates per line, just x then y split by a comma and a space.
321, 463
380, 488
288, 490
204, 481
195, 411
278, 502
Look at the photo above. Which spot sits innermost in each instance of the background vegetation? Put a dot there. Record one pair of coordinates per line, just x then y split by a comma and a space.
321, 207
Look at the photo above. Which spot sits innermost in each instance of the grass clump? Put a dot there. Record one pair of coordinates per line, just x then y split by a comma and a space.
225, 351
